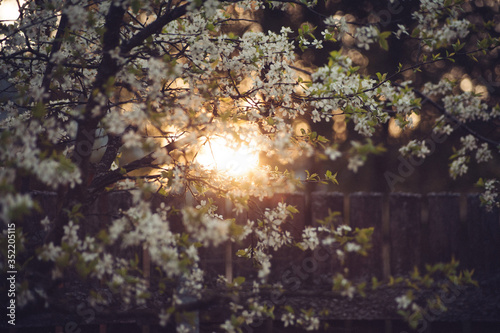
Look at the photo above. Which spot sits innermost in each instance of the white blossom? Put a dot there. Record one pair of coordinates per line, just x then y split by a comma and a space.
71, 234
469, 143
401, 31
416, 148
365, 36
348, 291
288, 319
12, 203
164, 317
337, 24
50, 252
352, 247
310, 238
228, 326
152, 105
490, 194
332, 153
403, 302
355, 162
24, 296
340, 254
483, 153
458, 167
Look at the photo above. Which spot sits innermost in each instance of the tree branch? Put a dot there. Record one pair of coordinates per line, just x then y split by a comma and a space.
85, 136
456, 120
112, 147
154, 27
110, 177
56, 46
107, 69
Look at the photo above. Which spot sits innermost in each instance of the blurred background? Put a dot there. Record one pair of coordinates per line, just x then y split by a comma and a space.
482, 77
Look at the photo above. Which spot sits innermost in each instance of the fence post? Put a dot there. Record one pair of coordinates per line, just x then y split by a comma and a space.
286, 256
443, 227
321, 204
298, 200
365, 212
483, 231
404, 232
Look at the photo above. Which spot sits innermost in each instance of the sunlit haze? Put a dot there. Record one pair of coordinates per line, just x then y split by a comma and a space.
217, 154
9, 10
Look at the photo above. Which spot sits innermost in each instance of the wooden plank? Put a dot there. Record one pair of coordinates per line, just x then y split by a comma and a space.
483, 241
443, 230
174, 202
100, 215
284, 258
31, 225
213, 258
322, 203
105, 209
443, 226
365, 212
245, 266
290, 257
405, 232
298, 200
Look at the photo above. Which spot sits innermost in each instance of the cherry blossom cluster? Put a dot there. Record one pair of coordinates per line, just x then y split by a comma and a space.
124, 96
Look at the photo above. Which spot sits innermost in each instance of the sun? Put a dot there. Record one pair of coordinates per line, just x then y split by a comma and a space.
9, 11
233, 160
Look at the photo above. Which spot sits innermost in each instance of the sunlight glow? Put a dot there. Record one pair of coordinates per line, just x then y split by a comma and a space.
466, 84
9, 11
301, 127
219, 154
395, 131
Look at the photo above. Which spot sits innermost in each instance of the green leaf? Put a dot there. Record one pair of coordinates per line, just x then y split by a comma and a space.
385, 34
136, 6
381, 77
322, 139
292, 209
361, 289
480, 182
238, 281
383, 44
375, 283
473, 57
39, 110
242, 253
457, 46
331, 177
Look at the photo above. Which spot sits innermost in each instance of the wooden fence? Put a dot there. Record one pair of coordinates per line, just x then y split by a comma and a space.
409, 230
